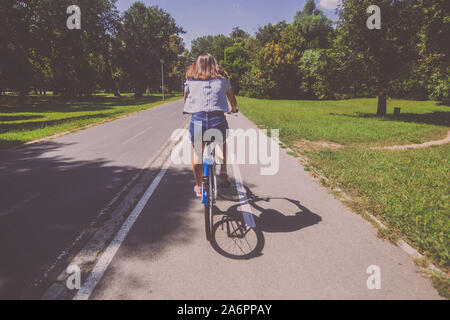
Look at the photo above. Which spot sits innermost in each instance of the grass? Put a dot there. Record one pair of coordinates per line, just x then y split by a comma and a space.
406, 189
42, 116
349, 122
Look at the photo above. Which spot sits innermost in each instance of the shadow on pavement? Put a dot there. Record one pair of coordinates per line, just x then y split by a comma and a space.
47, 199
271, 219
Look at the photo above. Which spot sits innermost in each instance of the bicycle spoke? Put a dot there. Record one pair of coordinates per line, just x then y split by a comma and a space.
232, 239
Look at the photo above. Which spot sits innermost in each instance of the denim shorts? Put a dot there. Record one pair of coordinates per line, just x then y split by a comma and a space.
202, 121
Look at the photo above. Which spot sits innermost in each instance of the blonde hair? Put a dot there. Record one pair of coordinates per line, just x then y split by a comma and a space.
205, 67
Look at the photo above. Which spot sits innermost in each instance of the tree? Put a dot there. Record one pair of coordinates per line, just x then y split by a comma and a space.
270, 32
147, 35
236, 63
314, 26
72, 62
214, 45
387, 51
433, 48
276, 65
238, 33
15, 68
318, 74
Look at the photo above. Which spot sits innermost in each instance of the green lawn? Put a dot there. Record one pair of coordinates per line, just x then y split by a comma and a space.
350, 122
41, 116
406, 189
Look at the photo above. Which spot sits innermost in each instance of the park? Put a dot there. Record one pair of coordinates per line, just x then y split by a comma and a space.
356, 94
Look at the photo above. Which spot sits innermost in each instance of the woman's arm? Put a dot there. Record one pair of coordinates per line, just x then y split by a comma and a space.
231, 97
185, 96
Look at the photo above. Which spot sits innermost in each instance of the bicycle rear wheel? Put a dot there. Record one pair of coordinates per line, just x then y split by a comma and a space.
233, 239
208, 184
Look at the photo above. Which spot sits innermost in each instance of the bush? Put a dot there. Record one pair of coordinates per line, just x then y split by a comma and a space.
440, 89
255, 85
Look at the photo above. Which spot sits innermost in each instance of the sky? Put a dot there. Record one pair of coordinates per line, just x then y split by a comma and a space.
204, 17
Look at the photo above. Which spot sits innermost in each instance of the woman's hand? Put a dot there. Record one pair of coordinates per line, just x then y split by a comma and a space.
231, 97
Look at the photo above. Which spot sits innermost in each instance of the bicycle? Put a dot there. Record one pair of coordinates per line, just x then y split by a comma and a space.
209, 191
231, 230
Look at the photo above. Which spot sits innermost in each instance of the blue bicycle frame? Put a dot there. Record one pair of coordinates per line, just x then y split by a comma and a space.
205, 194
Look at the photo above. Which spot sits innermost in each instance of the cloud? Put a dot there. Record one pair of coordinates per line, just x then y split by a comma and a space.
236, 5
329, 4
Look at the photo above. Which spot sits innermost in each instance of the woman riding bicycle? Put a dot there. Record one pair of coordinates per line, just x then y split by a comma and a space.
205, 97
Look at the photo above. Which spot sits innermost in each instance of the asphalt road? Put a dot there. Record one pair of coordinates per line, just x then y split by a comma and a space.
315, 248
51, 192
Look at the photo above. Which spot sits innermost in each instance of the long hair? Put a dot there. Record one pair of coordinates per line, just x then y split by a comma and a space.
205, 68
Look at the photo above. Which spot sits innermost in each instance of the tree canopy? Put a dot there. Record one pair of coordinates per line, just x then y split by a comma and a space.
316, 58
111, 51
312, 57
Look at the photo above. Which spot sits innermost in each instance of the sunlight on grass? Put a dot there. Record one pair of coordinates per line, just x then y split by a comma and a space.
42, 116
349, 121
407, 189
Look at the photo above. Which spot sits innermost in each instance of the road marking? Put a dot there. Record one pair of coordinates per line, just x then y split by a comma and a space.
134, 137
75, 243
242, 194
102, 264
101, 213
108, 254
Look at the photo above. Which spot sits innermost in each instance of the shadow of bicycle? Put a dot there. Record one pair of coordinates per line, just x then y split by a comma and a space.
270, 219
267, 214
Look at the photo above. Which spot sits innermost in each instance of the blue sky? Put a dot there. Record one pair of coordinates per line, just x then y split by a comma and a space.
203, 17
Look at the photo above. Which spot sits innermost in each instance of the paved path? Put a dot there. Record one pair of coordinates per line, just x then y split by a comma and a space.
315, 248
51, 192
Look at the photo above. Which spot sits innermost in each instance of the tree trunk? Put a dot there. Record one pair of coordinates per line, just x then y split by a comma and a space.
22, 94
381, 110
111, 84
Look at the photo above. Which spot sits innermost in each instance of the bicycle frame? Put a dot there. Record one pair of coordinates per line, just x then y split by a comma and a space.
206, 169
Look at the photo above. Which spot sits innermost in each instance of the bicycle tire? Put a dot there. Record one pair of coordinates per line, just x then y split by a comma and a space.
209, 205
260, 241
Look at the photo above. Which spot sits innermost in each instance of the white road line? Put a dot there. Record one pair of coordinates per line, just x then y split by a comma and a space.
102, 212
102, 264
66, 251
242, 194
134, 137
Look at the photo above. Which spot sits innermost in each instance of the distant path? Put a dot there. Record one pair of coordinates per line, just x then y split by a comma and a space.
421, 145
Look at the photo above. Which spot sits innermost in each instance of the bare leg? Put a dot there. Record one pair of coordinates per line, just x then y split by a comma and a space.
197, 166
